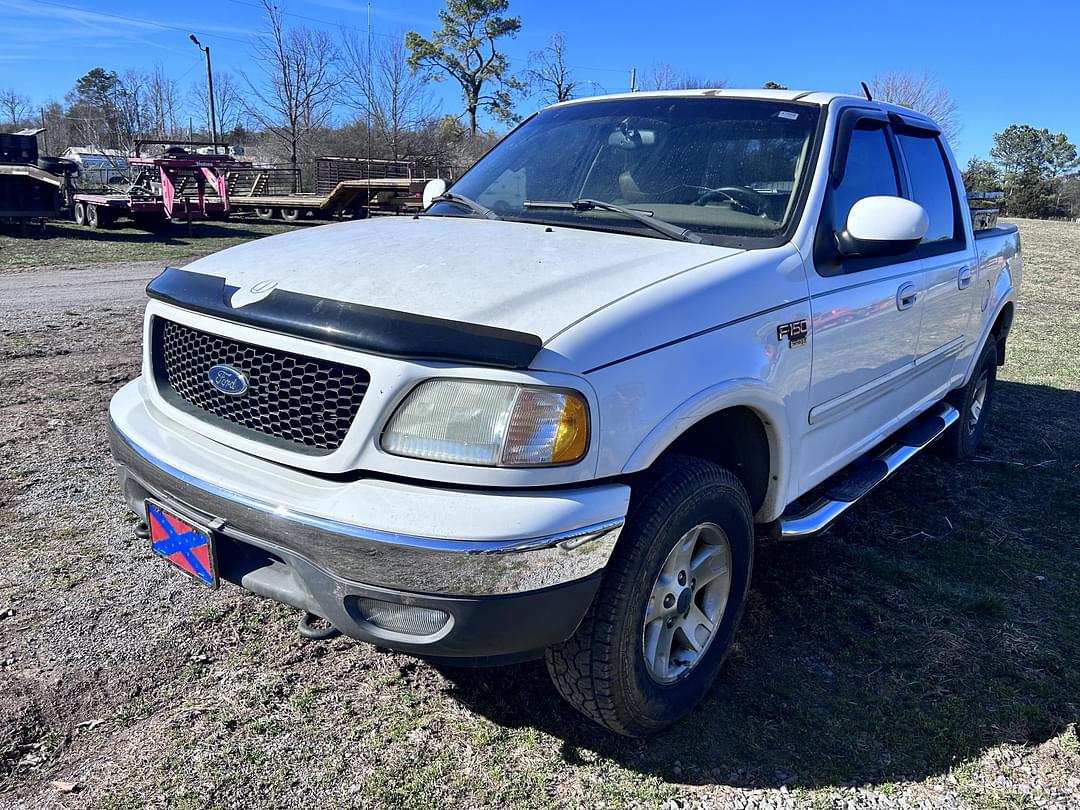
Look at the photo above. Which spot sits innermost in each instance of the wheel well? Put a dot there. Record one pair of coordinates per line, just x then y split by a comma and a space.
1000, 330
735, 439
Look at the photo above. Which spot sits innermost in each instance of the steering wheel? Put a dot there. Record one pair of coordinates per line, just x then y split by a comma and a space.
742, 197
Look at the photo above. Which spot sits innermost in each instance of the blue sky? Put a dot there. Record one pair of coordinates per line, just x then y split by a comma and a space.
1005, 63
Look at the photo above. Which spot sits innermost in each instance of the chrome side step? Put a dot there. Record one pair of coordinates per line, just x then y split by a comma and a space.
851, 484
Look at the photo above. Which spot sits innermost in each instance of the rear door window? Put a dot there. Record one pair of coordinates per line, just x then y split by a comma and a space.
932, 187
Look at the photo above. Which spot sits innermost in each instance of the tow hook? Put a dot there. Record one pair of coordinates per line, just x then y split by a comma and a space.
316, 628
142, 531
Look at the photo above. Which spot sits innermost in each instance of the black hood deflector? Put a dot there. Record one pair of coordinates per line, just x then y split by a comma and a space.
350, 326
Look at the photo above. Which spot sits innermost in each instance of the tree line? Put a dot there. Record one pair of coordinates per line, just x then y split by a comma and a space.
1038, 171
308, 91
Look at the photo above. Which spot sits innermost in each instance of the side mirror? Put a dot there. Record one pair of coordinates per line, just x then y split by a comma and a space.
434, 188
882, 226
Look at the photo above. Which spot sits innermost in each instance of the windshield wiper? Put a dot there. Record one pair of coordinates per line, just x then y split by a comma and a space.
465, 202
586, 204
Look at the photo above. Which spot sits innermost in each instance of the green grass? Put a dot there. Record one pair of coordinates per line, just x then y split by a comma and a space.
64, 243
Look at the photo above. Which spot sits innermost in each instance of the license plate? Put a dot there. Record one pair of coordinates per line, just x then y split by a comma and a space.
186, 545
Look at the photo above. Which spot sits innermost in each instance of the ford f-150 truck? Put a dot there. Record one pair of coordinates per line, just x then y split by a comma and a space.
549, 415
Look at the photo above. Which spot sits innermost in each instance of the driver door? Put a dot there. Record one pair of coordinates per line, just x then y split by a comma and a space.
866, 313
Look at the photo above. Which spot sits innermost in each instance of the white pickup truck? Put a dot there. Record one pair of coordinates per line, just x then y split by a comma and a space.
549, 415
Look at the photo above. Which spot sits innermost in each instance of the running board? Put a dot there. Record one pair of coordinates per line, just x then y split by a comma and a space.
851, 484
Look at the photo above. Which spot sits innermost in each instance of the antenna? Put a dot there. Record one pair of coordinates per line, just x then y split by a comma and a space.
866, 91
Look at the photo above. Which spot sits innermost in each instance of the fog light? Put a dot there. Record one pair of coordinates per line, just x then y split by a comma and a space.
408, 619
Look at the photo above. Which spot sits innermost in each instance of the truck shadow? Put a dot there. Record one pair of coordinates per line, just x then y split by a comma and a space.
939, 619
176, 233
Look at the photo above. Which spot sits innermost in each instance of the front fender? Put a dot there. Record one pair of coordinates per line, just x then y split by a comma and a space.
757, 396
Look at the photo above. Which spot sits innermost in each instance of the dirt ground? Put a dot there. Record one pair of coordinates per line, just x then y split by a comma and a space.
923, 653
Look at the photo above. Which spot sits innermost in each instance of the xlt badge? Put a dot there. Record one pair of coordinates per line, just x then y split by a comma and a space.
795, 332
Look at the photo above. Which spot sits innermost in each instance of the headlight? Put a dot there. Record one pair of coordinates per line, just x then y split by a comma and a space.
490, 424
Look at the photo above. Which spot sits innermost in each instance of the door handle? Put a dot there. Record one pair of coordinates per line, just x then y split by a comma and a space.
965, 277
906, 296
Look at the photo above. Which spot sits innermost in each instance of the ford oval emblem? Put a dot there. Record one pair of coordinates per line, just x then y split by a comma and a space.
228, 380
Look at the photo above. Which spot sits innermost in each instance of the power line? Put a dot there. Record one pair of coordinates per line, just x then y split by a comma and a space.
153, 23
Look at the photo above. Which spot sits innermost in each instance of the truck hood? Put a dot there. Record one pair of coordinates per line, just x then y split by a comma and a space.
517, 276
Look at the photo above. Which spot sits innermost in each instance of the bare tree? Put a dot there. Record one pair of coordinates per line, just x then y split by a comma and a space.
548, 72
130, 102
162, 104
920, 93
229, 105
299, 80
15, 107
664, 76
381, 87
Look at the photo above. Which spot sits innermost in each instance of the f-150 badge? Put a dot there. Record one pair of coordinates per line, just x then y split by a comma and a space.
795, 332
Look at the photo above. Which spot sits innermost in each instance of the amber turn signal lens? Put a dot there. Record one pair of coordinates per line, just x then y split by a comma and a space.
572, 435
548, 426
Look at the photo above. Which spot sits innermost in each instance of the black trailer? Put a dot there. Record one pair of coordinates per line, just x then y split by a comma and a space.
32, 188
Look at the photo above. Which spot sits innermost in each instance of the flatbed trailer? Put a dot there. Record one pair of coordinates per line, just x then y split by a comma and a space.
176, 185
344, 187
349, 198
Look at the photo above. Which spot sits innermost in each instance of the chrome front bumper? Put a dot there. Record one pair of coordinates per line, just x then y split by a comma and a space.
358, 554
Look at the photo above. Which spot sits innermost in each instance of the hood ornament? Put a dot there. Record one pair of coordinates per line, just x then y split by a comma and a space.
256, 292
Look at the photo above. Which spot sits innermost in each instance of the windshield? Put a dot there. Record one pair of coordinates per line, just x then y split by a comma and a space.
722, 168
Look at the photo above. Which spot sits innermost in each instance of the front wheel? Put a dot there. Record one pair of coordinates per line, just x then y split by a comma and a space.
665, 616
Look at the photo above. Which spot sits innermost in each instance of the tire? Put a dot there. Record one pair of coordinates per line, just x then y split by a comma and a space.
602, 669
80, 213
973, 401
57, 166
93, 217
291, 214
264, 213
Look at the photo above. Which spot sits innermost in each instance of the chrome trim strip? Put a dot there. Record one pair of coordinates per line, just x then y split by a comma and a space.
867, 391
954, 346
879, 386
474, 547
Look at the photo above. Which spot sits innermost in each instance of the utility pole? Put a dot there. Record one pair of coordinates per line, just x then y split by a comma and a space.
209, 90
44, 131
370, 88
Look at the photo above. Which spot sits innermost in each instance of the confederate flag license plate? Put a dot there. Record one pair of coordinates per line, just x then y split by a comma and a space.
186, 545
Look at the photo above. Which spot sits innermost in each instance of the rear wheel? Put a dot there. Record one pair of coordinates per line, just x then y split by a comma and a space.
80, 213
264, 213
665, 616
93, 216
973, 401
290, 214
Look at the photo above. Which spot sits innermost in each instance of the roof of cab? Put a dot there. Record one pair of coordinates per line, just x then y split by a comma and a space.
809, 96
805, 96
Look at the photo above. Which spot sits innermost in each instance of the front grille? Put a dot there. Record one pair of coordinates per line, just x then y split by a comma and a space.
300, 403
